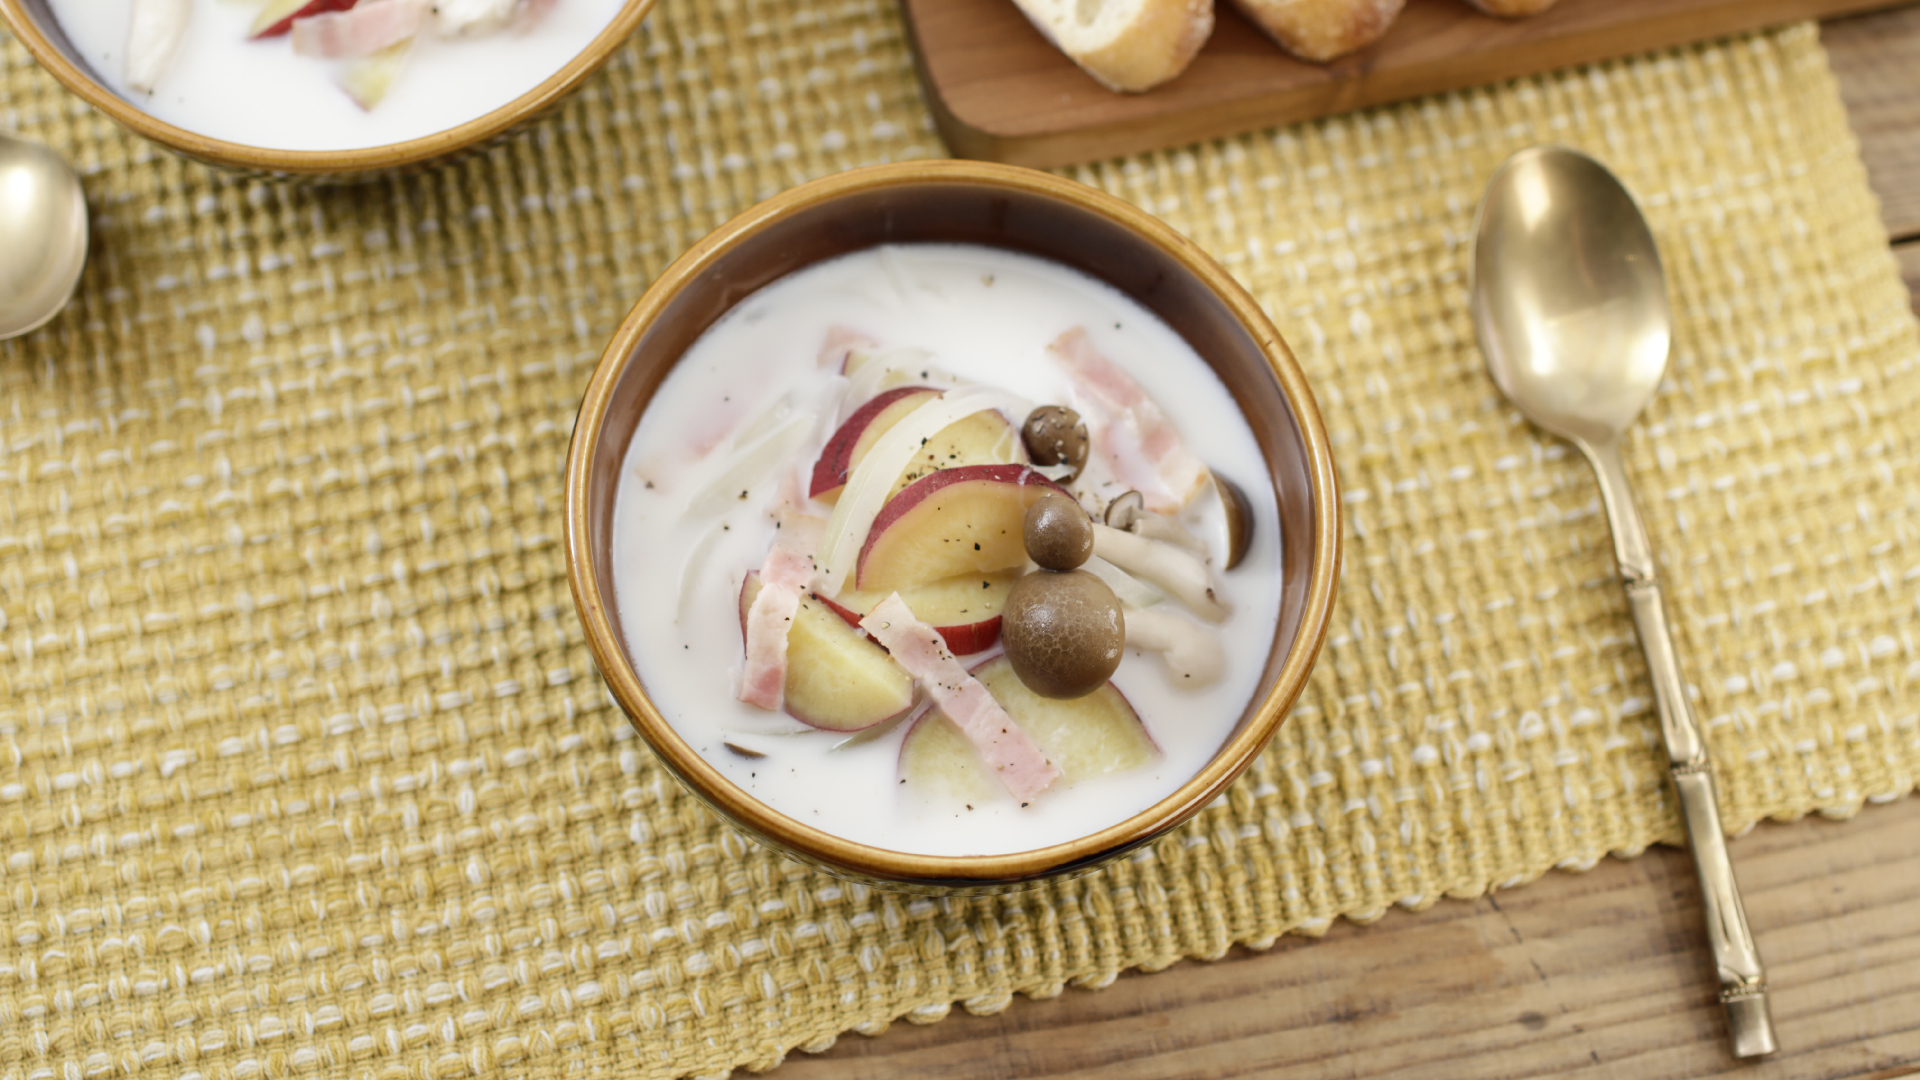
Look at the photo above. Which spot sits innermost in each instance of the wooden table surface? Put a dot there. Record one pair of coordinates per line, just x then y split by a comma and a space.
1604, 973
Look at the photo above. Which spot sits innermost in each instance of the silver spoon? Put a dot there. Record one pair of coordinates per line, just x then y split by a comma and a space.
1570, 305
43, 234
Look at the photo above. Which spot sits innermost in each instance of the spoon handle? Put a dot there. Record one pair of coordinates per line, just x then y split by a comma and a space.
1743, 980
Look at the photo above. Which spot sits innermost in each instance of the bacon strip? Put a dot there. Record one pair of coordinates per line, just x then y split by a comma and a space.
788, 568
923, 652
361, 30
1143, 446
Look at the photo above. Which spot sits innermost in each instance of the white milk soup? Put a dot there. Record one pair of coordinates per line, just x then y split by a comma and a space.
825, 543
326, 74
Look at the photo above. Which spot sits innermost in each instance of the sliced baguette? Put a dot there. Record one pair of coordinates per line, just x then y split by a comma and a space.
1129, 45
1319, 30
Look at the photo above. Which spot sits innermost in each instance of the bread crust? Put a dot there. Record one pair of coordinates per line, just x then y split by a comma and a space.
1163, 36
1155, 46
1512, 9
1320, 30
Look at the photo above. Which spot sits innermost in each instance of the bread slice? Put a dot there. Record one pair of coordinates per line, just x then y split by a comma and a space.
1128, 45
1320, 30
1512, 9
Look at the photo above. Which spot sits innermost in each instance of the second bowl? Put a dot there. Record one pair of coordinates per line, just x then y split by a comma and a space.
257, 107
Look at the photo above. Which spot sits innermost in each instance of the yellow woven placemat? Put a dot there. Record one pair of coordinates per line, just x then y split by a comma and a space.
304, 769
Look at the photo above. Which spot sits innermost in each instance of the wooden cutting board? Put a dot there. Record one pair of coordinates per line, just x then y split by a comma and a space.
999, 91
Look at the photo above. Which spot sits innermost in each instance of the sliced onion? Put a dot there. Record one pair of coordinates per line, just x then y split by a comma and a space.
693, 572
768, 419
1131, 591
867, 488
155, 29
864, 379
752, 466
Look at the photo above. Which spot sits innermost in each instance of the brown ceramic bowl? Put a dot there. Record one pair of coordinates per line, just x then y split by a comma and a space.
999, 206
33, 23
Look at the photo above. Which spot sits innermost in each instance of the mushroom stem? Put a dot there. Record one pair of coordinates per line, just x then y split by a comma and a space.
1193, 654
1176, 572
1129, 513
1160, 527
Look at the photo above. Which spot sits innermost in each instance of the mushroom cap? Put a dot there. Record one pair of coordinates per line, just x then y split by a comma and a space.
1055, 434
1064, 632
1058, 534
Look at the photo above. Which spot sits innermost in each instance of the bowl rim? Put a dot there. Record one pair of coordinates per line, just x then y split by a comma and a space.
885, 864
366, 159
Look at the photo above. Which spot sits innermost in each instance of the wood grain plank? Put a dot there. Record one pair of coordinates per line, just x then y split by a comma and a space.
999, 91
1602, 973
1876, 59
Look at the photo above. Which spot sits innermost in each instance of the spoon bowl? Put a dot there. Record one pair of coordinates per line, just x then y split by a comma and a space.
1568, 294
43, 235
